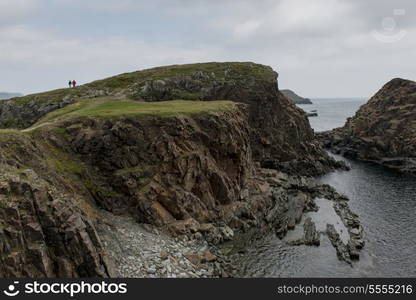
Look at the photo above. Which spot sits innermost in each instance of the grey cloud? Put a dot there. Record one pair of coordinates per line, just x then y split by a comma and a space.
14, 11
320, 47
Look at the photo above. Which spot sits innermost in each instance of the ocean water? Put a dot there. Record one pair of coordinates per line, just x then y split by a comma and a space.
384, 200
332, 113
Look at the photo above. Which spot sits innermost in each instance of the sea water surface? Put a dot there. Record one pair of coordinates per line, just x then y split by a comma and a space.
332, 113
384, 200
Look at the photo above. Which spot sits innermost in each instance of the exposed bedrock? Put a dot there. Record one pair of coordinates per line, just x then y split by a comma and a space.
200, 175
383, 130
279, 131
44, 233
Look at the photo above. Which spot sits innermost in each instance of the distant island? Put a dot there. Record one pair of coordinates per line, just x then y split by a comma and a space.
292, 96
4, 95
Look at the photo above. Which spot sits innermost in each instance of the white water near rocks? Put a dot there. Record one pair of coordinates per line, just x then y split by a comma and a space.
384, 200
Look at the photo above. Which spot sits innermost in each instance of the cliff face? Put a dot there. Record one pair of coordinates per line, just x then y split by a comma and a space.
166, 169
279, 131
383, 130
187, 174
188, 167
44, 230
183, 173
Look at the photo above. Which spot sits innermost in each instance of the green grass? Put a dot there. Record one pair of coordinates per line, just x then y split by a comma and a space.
9, 131
9, 123
63, 162
106, 108
67, 110
96, 189
60, 131
135, 169
234, 70
67, 166
163, 109
46, 97
188, 96
129, 87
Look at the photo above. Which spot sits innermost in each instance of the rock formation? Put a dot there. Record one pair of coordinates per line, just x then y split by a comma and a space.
292, 96
44, 231
280, 133
383, 130
191, 168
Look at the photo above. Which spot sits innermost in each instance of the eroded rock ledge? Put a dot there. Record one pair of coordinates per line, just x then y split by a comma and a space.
382, 131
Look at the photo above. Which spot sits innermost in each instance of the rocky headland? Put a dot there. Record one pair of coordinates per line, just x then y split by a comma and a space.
120, 178
382, 131
295, 98
279, 131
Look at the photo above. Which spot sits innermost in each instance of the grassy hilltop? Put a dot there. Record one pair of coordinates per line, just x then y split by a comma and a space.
194, 82
105, 107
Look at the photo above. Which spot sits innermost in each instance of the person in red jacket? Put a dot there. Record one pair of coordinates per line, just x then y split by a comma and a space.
74, 83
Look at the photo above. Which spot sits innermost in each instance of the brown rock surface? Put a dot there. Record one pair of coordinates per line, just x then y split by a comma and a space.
198, 175
44, 233
383, 130
166, 169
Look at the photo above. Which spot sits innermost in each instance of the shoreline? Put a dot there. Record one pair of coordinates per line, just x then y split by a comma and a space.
142, 250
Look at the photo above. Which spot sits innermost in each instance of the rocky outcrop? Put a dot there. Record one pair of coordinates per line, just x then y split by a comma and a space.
190, 175
199, 175
279, 131
24, 112
296, 207
192, 169
292, 96
44, 233
311, 237
383, 130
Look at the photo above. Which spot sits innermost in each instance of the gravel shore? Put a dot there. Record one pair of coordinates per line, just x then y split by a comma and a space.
144, 251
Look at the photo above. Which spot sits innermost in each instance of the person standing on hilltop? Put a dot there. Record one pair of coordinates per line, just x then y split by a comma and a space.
74, 83
70, 83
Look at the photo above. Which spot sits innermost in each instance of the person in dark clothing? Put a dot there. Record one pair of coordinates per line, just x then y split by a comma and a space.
70, 83
74, 83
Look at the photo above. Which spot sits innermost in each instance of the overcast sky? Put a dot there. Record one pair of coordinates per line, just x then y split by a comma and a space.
320, 48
